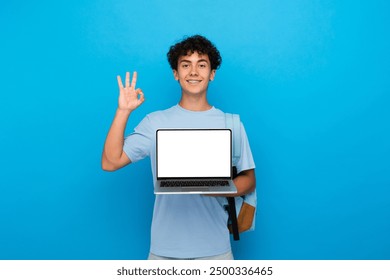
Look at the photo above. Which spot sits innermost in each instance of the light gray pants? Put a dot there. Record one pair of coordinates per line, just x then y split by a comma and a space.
225, 256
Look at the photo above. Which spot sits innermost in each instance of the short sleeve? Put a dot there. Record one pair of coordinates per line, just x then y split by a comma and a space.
138, 144
246, 161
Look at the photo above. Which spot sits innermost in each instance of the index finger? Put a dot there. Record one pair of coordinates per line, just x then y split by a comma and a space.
134, 80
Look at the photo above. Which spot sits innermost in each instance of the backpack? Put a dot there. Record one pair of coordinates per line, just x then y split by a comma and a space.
241, 209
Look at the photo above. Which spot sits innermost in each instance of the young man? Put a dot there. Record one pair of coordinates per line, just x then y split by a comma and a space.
187, 226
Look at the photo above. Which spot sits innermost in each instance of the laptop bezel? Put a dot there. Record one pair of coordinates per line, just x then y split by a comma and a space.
196, 178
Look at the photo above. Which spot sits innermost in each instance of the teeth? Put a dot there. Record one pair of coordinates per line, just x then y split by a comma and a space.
193, 81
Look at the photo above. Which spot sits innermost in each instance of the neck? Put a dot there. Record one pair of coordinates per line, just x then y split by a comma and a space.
194, 104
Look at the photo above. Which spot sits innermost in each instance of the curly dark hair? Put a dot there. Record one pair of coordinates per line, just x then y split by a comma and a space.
196, 43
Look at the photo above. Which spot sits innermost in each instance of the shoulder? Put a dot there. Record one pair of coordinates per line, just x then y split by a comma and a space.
164, 112
160, 118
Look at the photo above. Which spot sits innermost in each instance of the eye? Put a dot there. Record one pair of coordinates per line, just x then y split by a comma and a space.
202, 65
185, 65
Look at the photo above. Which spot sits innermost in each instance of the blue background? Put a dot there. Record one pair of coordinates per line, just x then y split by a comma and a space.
310, 80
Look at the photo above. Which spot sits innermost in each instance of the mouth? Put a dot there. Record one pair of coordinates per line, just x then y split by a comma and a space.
193, 82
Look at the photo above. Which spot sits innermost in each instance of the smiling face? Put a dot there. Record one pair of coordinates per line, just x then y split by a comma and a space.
194, 73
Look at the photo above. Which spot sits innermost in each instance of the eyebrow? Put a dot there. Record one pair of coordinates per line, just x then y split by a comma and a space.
188, 61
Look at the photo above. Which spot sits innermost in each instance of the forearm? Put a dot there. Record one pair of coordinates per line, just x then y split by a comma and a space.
245, 182
112, 156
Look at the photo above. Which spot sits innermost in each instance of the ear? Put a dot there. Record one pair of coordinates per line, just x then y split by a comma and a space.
175, 75
212, 75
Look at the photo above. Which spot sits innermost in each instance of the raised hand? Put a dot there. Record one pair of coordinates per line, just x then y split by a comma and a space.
129, 97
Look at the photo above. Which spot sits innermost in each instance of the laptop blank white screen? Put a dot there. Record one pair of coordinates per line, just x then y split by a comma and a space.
193, 153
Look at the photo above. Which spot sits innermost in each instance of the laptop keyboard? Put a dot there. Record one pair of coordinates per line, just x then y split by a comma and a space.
211, 183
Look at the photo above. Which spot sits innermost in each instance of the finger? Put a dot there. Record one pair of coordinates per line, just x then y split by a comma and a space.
134, 80
141, 96
127, 79
119, 82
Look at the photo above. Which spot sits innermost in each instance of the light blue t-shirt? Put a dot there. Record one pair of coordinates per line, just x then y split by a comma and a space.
185, 226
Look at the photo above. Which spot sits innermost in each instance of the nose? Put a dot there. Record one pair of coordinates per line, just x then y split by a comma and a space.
193, 71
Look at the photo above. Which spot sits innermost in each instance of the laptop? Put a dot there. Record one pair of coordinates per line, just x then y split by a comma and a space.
194, 161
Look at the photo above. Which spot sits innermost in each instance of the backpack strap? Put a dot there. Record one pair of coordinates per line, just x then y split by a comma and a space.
233, 217
234, 124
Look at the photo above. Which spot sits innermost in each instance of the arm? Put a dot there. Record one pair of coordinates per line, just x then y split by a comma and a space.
113, 156
245, 182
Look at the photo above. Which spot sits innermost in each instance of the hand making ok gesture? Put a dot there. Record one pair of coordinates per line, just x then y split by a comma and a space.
129, 97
